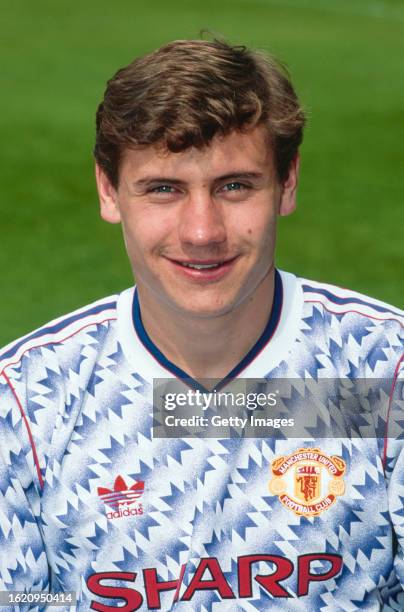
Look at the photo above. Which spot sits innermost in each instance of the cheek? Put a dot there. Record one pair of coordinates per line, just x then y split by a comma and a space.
258, 229
254, 218
145, 232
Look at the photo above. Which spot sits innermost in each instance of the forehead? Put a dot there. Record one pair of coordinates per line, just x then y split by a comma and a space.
239, 152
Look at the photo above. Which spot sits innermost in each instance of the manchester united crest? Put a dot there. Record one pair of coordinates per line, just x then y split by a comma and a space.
307, 482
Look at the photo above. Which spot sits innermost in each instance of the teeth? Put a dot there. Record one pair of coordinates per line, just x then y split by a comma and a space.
200, 266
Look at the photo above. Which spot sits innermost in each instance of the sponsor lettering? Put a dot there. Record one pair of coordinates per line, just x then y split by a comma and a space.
209, 576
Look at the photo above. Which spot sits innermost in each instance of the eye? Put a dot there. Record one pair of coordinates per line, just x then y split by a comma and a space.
235, 191
162, 189
234, 186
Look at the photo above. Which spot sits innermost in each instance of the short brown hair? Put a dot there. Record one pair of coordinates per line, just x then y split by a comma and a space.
188, 91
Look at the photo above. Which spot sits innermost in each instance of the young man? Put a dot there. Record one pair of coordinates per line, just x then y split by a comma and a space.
197, 155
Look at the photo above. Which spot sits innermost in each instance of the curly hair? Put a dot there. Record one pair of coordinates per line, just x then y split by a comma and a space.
187, 92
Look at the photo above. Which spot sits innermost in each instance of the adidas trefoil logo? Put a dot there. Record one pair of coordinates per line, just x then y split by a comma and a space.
123, 499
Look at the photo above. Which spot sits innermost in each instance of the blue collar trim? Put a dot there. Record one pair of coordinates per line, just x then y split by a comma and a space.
262, 341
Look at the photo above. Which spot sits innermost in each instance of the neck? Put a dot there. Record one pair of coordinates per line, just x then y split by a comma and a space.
208, 347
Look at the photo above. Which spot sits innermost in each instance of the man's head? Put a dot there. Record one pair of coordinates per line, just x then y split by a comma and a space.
197, 155
187, 92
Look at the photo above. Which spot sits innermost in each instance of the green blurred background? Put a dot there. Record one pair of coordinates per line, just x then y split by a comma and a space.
346, 58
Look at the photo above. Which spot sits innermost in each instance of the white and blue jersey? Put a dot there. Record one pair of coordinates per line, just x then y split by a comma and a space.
92, 502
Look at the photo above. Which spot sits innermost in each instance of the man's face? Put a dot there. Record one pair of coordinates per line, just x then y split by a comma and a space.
199, 225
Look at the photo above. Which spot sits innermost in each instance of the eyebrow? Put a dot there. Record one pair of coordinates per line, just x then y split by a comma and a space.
240, 175
174, 181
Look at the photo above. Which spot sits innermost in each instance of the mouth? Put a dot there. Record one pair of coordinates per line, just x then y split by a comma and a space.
209, 270
198, 266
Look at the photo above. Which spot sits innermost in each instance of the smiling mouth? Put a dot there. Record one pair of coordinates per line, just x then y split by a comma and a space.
196, 266
204, 271
204, 265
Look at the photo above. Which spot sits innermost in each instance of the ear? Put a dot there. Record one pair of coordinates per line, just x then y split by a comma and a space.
107, 194
289, 187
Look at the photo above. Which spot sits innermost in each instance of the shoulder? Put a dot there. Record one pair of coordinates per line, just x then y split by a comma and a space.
67, 329
359, 335
341, 301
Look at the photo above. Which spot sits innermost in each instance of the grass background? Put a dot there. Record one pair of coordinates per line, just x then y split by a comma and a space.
346, 58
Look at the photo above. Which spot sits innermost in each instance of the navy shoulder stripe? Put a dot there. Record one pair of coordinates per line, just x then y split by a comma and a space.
56, 327
350, 300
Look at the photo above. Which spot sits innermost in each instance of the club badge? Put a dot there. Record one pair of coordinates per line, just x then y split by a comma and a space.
307, 482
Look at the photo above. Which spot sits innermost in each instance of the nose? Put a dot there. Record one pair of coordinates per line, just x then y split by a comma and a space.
201, 221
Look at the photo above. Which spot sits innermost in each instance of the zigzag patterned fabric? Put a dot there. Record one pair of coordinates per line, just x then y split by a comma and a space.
91, 502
